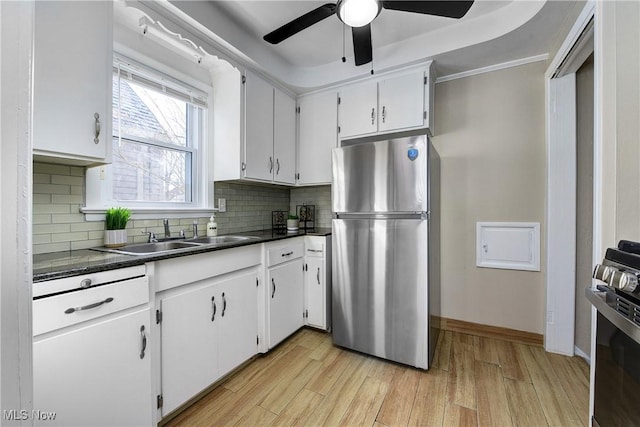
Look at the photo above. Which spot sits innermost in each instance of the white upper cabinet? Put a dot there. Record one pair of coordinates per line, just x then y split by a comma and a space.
318, 134
401, 102
398, 102
73, 57
284, 138
255, 139
259, 161
358, 109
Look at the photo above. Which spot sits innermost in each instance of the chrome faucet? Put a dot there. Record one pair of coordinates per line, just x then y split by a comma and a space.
152, 236
167, 232
195, 229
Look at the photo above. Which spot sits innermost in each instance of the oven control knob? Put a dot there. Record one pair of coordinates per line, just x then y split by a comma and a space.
602, 272
625, 281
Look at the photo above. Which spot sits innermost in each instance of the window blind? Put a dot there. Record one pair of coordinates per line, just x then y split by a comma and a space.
144, 76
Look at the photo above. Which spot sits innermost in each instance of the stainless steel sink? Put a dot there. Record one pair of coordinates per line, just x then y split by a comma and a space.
150, 248
221, 240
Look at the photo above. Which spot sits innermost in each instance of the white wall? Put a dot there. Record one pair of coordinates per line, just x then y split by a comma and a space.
491, 141
16, 34
617, 62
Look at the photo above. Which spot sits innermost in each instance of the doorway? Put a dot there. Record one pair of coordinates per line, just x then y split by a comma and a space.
570, 182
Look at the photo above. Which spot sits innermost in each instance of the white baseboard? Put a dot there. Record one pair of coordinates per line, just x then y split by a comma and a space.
582, 354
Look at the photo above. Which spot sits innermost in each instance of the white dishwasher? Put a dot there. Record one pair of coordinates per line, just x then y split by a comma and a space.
91, 362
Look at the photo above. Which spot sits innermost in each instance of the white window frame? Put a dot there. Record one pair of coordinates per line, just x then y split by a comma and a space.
99, 180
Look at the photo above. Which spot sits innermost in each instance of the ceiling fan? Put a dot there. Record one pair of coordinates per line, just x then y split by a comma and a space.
358, 14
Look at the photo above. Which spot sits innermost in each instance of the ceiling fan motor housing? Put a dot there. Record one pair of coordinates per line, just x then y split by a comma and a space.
358, 13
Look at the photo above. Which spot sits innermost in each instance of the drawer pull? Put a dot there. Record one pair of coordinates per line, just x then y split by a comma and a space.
96, 140
224, 304
287, 254
314, 250
88, 307
85, 283
144, 342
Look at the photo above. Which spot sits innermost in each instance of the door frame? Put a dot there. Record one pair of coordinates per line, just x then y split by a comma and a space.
560, 94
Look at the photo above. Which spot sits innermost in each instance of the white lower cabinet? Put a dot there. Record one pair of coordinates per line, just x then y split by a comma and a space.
285, 302
207, 329
97, 373
314, 285
317, 282
283, 290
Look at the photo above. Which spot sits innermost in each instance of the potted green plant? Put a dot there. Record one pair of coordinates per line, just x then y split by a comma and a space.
116, 220
292, 222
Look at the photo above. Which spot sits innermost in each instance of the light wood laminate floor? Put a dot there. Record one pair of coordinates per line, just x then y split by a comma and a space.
475, 381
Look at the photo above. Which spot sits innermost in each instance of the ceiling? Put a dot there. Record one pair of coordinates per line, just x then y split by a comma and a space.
492, 32
322, 43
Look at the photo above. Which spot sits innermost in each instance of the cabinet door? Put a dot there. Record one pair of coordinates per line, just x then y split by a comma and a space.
401, 102
258, 127
239, 321
285, 300
318, 121
284, 138
315, 292
73, 60
189, 328
95, 374
357, 111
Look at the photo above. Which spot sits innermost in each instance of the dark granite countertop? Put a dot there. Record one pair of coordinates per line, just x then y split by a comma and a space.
73, 263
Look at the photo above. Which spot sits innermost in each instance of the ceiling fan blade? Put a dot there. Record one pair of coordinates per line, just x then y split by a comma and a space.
362, 50
299, 24
446, 8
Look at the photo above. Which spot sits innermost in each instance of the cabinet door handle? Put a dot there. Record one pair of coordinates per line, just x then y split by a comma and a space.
278, 164
384, 114
287, 254
96, 140
89, 306
314, 250
224, 304
273, 287
318, 275
144, 341
213, 307
373, 115
270, 164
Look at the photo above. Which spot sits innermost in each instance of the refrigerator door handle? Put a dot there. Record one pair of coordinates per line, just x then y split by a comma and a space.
381, 216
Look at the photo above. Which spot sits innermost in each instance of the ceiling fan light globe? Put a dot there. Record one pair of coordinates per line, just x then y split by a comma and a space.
358, 13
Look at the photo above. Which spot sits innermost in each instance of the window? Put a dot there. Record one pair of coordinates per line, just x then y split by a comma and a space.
157, 132
161, 162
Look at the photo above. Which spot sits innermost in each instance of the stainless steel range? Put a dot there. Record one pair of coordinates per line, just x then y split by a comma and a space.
617, 358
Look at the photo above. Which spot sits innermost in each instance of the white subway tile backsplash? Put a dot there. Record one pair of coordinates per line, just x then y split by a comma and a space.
58, 224
67, 180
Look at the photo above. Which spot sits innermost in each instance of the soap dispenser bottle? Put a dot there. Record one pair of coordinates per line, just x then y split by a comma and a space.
212, 227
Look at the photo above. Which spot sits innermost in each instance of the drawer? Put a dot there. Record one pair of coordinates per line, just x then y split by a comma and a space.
283, 253
86, 280
180, 271
314, 246
68, 309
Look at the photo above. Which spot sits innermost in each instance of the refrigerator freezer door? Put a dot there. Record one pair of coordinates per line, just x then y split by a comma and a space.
381, 176
380, 289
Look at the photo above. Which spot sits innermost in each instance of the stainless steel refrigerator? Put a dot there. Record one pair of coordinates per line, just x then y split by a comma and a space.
386, 284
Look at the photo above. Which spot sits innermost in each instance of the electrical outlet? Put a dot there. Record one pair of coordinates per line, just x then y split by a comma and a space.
222, 205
